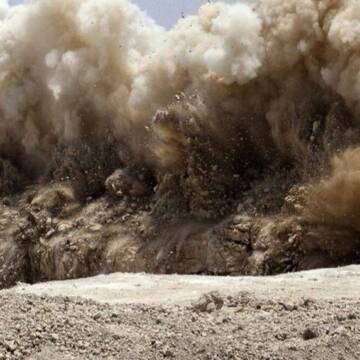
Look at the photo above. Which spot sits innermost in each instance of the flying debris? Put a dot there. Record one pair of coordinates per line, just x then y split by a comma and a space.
239, 125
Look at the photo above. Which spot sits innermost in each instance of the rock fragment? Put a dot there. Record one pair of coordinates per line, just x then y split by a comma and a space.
121, 183
209, 303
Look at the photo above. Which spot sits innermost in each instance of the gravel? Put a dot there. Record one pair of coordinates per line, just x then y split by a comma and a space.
243, 327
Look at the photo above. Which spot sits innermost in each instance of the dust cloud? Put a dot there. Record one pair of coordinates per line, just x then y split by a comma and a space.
232, 94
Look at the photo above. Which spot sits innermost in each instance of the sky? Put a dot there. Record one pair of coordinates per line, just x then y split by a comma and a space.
165, 12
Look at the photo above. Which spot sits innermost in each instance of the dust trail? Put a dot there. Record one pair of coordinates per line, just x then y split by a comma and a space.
335, 200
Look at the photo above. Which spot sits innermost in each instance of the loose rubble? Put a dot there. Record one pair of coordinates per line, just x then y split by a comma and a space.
243, 328
48, 233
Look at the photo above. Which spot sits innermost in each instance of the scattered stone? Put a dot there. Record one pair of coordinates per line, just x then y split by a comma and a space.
209, 303
39, 327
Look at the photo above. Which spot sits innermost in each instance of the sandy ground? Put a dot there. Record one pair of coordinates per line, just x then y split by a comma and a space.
308, 315
119, 288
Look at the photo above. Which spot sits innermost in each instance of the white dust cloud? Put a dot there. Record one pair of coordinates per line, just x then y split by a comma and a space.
73, 69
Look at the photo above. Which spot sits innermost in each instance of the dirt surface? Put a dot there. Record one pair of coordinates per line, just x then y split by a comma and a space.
311, 315
118, 288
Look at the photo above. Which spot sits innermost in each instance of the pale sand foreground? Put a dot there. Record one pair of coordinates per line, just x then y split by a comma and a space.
309, 315
178, 289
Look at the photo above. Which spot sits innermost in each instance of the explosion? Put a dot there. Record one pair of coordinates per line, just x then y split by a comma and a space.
237, 98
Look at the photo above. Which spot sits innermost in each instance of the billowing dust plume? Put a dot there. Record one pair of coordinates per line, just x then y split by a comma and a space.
235, 92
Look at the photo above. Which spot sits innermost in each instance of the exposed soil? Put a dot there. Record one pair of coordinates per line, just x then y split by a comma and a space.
47, 233
294, 317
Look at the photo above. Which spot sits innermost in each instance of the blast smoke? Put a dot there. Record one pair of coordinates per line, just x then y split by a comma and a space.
236, 87
4, 6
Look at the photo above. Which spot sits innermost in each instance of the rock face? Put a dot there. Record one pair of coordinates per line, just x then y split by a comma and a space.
14, 259
47, 234
98, 208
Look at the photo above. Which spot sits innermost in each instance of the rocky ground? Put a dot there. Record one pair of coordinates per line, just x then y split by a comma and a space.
46, 233
95, 209
238, 319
